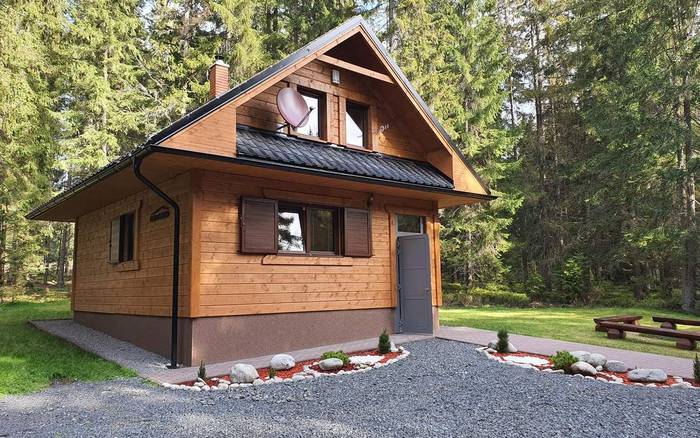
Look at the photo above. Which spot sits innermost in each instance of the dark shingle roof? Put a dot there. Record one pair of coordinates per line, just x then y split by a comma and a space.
280, 148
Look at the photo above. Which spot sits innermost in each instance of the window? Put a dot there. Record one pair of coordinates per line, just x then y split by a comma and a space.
307, 229
356, 125
272, 227
409, 224
122, 238
290, 231
314, 123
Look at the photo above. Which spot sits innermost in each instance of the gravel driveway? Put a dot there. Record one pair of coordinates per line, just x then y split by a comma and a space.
443, 389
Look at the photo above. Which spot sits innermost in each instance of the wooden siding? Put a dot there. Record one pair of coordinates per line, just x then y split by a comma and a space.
388, 133
238, 284
144, 286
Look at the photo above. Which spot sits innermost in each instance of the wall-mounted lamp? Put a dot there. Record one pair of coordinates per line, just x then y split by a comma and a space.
335, 76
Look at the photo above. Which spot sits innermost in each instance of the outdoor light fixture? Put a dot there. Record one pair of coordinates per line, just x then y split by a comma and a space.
335, 76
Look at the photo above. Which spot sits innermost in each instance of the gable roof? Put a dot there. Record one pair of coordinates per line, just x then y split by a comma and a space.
151, 144
299, 55
274, 147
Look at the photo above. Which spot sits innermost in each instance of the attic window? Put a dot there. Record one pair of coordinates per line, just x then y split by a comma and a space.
356, 124
315, 101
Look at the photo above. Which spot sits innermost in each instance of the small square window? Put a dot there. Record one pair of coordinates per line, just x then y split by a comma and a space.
313, 125
356, 124
408, 224
307, 230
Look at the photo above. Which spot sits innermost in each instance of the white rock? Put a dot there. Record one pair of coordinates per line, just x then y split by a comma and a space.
199, 384
243, 373
257, 382
682, 385
599, 368
597, 360
511, 347
647, 375
331, 364
615, 366
583, 368
392, 347
530, 360
490, 350
281, 362
365, 360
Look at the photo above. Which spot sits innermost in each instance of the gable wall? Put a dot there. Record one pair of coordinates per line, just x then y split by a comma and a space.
395, 139
232, 283
144, 287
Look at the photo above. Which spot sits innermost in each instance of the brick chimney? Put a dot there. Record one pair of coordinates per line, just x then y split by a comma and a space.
218, 78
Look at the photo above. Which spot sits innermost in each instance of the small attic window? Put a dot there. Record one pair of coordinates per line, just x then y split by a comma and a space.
315, 101
356, 124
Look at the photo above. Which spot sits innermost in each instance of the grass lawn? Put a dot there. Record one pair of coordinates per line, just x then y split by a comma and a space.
567, 324
31, 360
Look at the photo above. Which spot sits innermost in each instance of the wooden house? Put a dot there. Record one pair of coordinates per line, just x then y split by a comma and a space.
286, 238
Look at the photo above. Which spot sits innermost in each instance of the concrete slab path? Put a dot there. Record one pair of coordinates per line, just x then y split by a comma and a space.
675, 366
151, 366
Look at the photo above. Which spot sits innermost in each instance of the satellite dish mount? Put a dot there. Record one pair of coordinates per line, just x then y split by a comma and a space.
293, 108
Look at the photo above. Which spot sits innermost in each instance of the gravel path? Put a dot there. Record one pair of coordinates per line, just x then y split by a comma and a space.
443, 389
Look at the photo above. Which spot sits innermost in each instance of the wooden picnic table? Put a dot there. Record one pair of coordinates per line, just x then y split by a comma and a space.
627, 319
685, 340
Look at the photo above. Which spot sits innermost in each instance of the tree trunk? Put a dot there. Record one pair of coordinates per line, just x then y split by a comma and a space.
62, 257
690, 243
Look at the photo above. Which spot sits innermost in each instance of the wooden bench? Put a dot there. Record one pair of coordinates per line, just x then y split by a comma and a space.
672, 323
627, 319
686, 340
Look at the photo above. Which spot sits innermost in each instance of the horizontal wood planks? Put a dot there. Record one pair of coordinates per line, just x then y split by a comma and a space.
232, 283
103, 287
389, 135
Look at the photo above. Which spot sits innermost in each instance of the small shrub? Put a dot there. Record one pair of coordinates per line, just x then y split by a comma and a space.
502, 344
563, 361
384, 345
495, 295
696, 369
336, 354
202, 372
271, 373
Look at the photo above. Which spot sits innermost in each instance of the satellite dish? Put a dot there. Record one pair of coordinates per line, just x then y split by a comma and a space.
293, 107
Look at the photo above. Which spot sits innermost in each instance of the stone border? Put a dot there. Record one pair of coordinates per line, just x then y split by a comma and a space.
307, 374
680, 382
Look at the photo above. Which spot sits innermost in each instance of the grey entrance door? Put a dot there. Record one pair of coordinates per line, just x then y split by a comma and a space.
415, 298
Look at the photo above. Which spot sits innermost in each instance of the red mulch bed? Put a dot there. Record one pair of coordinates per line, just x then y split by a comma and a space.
604, 374
264, 373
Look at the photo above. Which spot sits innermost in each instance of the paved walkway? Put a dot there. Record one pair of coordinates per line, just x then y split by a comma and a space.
675, 366
152, 366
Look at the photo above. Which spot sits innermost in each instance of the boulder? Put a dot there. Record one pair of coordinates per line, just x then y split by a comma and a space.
583, 368
615, 366
597, 360
331, 364
581, 355
280, 362
243, 373
511, 347
647, 375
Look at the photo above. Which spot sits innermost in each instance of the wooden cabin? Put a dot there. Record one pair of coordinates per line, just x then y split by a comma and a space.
288, 238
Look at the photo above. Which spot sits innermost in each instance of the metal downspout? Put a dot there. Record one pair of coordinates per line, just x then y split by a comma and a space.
176, 256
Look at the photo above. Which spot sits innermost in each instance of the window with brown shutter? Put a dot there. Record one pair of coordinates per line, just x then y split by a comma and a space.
258, 219
357, 232
122, 238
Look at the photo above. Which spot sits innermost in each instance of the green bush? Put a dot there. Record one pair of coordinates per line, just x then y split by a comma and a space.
495, 295
563, 361
271, 373
696, 369
502, 344
384, 345
337, 355
202, 372
452, 294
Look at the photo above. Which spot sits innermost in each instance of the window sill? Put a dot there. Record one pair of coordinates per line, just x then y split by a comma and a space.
132, 265
307, 260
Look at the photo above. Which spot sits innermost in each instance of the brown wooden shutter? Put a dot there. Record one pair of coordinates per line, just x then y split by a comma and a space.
258, 219
114, 240
357, 234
